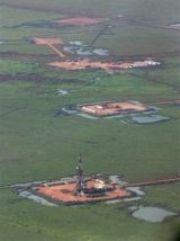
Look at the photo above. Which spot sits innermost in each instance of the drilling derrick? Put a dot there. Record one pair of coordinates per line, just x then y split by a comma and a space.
80, 186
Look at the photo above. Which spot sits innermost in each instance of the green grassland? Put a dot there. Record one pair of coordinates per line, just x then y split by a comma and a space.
127, 40
151, 11
36, 144
17, 16
44, 223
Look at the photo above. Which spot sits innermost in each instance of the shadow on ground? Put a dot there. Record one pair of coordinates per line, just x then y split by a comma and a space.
176, 236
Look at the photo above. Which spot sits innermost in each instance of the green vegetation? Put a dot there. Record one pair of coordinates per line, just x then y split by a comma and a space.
127, 39
14, 16
156, 11
38, 144
15, 67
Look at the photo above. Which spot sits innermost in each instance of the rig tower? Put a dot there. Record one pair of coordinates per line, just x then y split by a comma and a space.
81, 185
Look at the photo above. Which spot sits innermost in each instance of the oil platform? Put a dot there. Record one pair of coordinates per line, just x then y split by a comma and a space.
81, 189
92, 187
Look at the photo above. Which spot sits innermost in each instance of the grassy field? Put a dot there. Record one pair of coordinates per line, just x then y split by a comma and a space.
162, 12
36, 144
127, 40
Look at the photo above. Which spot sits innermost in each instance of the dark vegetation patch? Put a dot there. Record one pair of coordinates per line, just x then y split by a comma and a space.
176, 235
156, 79
9, 112
60, 113
36, 78
23, 56
35, 24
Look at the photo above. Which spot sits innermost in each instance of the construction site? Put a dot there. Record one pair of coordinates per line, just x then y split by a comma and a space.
134, 111
95, 190
99, 78
80, 189
107, 66
58, 46
113, 108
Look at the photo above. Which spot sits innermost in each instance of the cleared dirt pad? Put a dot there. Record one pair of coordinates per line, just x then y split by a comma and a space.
47, 41
113, 108
65, 193
50, 42
107, 66
80, 21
